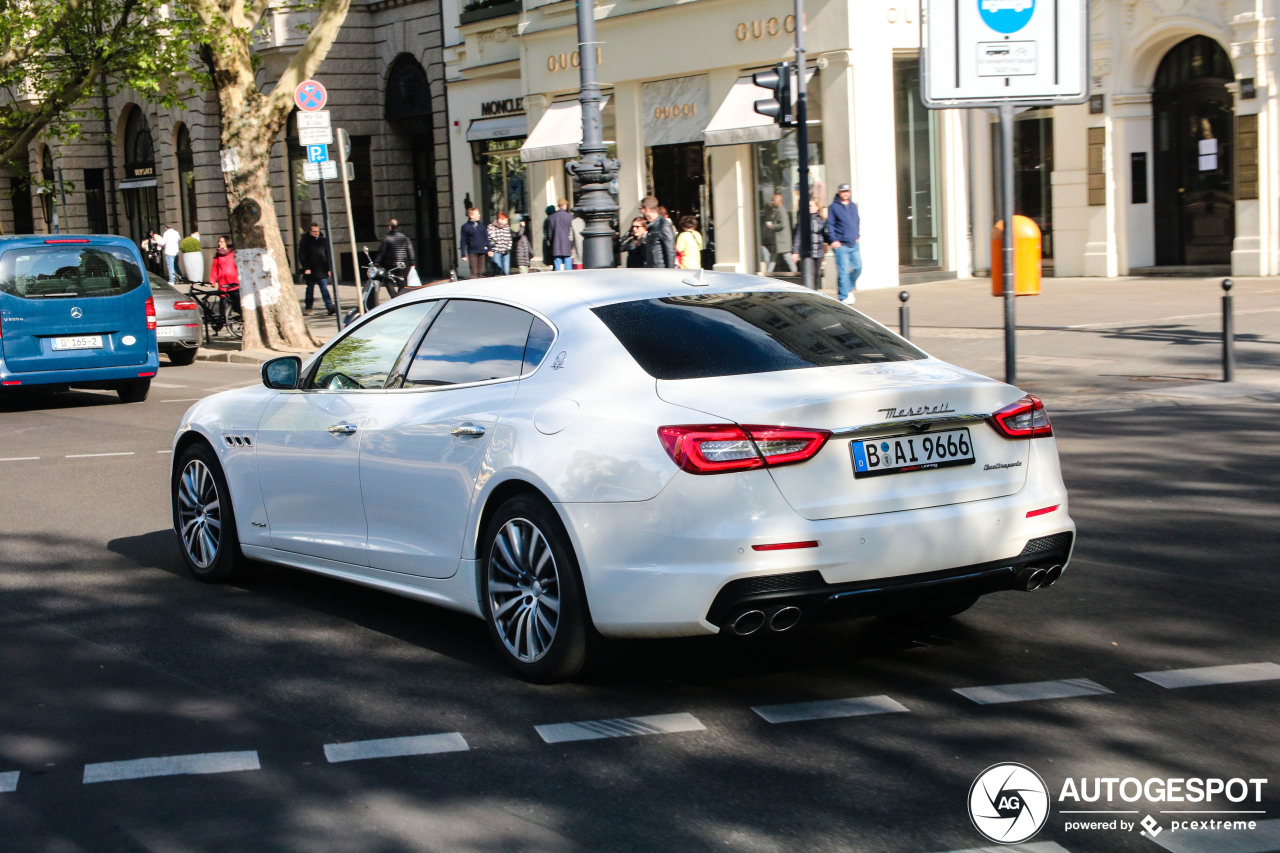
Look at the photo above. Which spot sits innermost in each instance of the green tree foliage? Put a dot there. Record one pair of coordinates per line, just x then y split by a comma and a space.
55, 54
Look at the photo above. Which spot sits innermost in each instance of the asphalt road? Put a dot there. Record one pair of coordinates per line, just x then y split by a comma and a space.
113, 657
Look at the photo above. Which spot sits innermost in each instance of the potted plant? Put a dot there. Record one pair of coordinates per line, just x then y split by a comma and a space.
192, 258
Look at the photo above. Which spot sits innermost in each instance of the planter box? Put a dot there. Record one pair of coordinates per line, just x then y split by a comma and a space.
193, 265
501, 10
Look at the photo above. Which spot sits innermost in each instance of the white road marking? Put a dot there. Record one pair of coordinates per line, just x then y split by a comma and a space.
998, 693
173, 765
1264, 839
164, 451
8, 782
830, 709
395, 746
155, 384
1037, 847
1230, 674
92, 455
20, 459
658, 724
184, 400
1114, 325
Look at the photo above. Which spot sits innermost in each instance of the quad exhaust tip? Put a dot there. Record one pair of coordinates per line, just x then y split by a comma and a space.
1029, 579
785, 619
1051, 576
747, 622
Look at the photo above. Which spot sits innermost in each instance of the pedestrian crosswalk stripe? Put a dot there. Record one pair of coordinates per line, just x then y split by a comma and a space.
1230, 674
1066, 688
1034, 847
173, 765
1265, 838
658, 724
395, 746
8, 782
830, 709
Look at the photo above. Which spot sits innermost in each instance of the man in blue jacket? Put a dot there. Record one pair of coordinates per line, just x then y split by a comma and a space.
842, 231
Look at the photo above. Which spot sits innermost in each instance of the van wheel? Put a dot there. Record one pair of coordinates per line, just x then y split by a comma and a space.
134, 390
203, 516
532, 595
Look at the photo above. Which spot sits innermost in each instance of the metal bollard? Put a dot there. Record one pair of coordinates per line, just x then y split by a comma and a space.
1228, 334
904, 315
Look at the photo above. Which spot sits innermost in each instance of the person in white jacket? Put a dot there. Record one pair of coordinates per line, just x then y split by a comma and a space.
171, 239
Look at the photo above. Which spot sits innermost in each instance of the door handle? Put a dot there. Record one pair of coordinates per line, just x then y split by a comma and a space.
343, 429
473, 431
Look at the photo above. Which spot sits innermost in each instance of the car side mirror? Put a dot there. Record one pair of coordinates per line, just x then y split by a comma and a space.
282, 373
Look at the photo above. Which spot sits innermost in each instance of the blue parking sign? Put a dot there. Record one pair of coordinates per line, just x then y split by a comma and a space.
317, 153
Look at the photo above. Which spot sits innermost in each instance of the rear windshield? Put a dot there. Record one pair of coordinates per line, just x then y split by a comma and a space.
68, 270
727, 334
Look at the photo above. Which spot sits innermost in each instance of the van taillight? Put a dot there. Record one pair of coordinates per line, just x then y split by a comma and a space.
151, 312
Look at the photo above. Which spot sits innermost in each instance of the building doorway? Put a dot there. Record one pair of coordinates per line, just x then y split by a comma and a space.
1194, 183
408, 110
141, 203
679, 180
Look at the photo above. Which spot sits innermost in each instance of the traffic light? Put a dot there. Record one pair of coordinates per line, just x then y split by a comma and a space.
778, 81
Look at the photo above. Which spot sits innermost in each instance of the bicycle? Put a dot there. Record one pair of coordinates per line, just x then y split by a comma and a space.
219, 309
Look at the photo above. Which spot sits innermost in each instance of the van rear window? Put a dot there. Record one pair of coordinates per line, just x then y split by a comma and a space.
729, 334
68, 271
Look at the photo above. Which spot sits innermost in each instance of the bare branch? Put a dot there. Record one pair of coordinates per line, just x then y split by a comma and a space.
306, 61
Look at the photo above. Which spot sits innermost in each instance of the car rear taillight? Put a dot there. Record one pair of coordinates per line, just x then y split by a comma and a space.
151, 312
185, 306
718, 448
1023, 419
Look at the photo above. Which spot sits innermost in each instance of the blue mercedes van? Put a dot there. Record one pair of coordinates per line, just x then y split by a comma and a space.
76, 311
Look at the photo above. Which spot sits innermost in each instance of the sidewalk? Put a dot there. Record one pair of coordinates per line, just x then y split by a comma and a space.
1082, 344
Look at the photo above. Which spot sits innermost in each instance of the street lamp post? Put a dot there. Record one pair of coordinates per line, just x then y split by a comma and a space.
593, 170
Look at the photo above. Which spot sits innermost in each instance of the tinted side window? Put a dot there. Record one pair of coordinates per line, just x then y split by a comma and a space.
540, 337
366, 356
728, 334
69, 270
472, 342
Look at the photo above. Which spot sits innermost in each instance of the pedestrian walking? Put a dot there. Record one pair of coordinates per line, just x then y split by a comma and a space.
546, 235
474, 242
396, 248
660, 238
560, 231
689, 244
171, 240
224, 273
777, 234
818, 227
633, 244
153, 252
500, 240
579, 259
316, 267
843, 232
522, 246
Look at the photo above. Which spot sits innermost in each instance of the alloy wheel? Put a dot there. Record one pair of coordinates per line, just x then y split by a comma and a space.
199, 514
524, 590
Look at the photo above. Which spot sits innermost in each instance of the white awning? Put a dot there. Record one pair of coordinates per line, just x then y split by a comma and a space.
499, 127
558, 133
134, 183
736, 121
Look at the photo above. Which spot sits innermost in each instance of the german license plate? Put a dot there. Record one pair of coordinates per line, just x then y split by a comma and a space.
80, 342
168, 331
902, 453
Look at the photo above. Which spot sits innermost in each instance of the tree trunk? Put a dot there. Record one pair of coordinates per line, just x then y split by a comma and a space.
251, 121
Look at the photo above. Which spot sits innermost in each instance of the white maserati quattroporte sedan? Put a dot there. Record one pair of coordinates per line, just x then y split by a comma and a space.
627, 453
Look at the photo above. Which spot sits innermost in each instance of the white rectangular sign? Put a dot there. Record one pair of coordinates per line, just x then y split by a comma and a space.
988, 52
315, 135
314, 171
310, 121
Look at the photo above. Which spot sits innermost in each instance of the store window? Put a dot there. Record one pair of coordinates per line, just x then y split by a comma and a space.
95, 200
187, 182
24, 221
919, 242
141, 204
1032, 171
778, 202
504, 184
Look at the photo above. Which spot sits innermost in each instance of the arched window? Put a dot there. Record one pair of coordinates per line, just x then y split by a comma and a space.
138, 148
408, 92
141, 202
186, 181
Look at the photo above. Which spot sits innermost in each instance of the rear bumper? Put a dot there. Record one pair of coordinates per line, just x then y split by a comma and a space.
184, 336
659, 568
82, 377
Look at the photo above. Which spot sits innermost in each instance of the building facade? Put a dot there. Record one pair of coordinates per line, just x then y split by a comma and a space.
1174, 163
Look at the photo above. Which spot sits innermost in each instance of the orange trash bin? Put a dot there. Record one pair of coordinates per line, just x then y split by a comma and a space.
1026, 257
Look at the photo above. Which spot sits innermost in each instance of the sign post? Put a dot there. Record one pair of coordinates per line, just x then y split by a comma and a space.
310, 98
1004, 54
344, 150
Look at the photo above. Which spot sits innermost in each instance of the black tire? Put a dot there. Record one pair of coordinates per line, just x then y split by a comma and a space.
203, 516
518, 580
183, 355
134, 390
235, 324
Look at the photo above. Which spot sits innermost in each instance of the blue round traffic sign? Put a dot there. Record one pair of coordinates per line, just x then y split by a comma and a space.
1006, 16
310, 96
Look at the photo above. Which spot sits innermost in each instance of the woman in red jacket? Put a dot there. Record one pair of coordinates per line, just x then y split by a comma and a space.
224, 273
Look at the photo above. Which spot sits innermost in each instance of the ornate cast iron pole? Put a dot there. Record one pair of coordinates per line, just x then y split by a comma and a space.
593, 170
